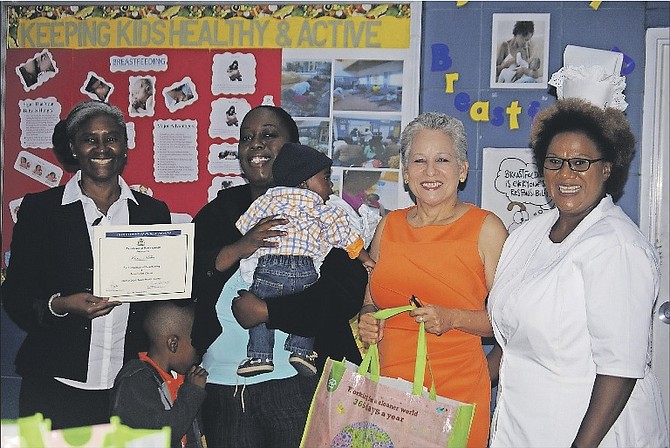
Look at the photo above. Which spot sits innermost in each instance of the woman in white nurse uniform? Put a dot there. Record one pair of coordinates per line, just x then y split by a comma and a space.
572, 300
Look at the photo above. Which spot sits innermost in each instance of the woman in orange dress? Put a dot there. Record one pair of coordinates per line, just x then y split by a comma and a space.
444, 252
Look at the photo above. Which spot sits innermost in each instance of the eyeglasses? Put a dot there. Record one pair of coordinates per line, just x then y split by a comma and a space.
576, 164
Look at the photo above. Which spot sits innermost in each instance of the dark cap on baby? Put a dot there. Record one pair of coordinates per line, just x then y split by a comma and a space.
296, 163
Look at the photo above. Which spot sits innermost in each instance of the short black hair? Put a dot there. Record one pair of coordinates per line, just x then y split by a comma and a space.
608, 128
523, 27
286, 120
168, 317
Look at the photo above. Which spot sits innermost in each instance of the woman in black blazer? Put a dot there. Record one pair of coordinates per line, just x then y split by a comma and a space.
76, 342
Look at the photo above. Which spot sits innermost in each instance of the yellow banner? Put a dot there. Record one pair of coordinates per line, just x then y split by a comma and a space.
267, 26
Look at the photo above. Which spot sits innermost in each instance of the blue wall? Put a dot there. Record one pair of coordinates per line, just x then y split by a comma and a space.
466, 31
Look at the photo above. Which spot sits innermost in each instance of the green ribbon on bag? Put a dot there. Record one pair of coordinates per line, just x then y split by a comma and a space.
334, 372
370, 363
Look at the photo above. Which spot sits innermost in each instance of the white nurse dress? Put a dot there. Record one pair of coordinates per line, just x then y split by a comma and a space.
564, 312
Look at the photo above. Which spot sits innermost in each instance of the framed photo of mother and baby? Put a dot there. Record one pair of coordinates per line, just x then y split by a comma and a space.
519, 51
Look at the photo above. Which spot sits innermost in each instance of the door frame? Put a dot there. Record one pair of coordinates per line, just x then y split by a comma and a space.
654, 180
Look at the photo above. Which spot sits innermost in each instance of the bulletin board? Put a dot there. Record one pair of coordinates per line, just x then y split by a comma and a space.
184, 76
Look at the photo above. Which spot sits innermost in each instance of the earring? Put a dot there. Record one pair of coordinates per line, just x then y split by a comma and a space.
74, 155
461, 180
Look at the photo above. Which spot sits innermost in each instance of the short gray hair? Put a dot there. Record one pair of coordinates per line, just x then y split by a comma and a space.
84, 111
439, 122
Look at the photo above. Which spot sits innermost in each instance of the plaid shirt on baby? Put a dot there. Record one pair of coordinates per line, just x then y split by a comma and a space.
313, 227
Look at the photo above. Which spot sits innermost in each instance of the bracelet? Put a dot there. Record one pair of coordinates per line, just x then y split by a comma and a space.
51, 299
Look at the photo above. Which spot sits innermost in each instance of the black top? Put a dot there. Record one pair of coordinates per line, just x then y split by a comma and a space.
321, 311
51, 253
142, 400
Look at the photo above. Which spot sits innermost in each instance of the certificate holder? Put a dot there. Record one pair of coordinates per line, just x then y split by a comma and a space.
143, 262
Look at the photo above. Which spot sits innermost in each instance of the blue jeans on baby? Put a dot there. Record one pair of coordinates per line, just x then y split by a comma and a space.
276, 276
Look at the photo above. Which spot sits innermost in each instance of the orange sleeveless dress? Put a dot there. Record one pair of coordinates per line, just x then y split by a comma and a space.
441, 266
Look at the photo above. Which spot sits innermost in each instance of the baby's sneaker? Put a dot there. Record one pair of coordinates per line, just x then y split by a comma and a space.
304, 364
255, 366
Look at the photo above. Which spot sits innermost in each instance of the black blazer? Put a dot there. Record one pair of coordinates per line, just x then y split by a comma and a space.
51, 253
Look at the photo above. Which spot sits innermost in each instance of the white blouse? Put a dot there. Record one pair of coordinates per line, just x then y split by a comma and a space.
563, 313
108, 332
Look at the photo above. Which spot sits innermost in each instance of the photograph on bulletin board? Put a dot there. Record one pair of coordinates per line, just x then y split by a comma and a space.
37, 70
314, 132
519, 51
368, 142
306, 88
374, 188
368, 85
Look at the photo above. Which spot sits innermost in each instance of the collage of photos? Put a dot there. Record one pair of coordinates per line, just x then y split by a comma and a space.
348, 109
377, 189
142, 89
315, 132
233, 75
371, 143
351, 111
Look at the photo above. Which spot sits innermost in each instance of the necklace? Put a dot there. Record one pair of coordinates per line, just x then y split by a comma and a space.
83, 190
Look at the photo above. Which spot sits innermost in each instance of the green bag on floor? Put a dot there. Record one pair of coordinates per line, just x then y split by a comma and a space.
35, 432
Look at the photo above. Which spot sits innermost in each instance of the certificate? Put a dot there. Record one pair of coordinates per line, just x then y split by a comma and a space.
143, 262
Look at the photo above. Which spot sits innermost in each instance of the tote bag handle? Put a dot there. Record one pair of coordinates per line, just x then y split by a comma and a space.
370, 363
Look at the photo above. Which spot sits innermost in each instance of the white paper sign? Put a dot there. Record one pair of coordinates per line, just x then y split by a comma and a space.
175, 150
512, 186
